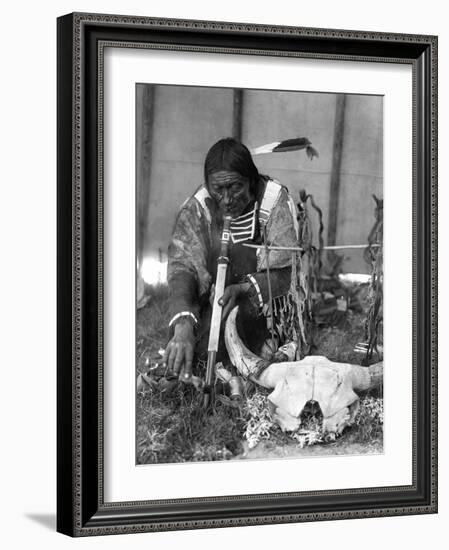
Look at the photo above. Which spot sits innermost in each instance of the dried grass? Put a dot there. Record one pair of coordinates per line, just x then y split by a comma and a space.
172, 425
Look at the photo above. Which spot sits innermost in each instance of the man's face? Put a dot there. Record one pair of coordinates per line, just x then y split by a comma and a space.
230, 191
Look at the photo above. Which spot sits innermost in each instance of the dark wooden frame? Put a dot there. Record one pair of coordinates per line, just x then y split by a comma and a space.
81, 509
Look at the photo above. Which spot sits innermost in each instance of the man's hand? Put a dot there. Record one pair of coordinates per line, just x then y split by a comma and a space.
230, 297
178, 354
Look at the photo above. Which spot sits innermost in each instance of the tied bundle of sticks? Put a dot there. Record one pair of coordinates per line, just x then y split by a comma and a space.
291, 317
374, 256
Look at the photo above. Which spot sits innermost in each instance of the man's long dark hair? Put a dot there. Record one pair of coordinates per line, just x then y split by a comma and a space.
231, 155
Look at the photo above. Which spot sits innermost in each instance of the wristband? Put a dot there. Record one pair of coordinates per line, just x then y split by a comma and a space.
183, 314
256, 286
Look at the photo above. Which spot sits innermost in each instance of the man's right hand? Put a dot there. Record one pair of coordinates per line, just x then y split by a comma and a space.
178, 356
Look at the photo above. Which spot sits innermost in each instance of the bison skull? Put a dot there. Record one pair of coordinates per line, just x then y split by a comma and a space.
333, 386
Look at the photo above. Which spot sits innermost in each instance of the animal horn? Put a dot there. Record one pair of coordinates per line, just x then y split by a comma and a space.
245, 361
367, 378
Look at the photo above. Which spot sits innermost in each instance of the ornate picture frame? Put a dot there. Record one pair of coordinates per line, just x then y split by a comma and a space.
81, 508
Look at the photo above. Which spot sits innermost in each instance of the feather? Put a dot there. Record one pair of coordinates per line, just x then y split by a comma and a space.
287, 145
311, 152
294, 144
267, 148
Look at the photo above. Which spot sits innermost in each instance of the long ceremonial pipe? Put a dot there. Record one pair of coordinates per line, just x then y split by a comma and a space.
215, 323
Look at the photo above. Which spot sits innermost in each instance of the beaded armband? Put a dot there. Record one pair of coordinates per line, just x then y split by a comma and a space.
256, 288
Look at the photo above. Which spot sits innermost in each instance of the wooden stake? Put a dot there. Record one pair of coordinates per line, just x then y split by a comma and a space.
337, 153
237, 114
144, 120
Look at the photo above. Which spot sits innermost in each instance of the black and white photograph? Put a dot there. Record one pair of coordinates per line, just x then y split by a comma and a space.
222, 287
259, 281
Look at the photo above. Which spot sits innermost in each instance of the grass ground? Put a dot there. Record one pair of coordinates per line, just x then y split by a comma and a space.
172, 426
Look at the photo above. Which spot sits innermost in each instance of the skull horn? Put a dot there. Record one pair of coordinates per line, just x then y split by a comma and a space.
245, 361
367, 378
257, 369
248, 363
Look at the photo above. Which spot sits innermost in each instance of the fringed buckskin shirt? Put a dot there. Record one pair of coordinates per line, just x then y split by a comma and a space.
195, 246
